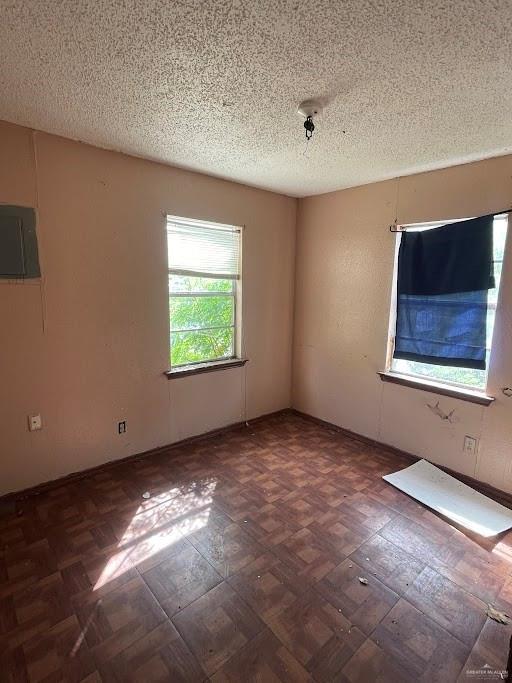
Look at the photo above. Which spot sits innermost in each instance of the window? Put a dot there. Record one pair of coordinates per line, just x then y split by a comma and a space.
475, 379
204, 291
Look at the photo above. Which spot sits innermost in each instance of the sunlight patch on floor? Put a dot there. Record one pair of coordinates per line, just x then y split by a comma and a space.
504, 550
157, 527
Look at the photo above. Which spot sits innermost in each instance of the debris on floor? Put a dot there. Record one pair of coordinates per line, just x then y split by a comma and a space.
363, 580
146, 495
498, 616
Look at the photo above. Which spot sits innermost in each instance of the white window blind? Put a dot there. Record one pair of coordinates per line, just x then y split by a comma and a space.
201, 249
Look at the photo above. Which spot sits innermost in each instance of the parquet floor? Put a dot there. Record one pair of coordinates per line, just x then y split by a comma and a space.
243, 565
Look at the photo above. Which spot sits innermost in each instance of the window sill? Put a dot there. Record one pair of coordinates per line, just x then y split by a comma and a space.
437, 388
199, 368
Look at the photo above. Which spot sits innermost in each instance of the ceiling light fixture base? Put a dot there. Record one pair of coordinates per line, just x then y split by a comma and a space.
310, 108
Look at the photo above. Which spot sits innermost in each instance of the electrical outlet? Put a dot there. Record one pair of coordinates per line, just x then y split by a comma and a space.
470, 444
121, 427
35, 423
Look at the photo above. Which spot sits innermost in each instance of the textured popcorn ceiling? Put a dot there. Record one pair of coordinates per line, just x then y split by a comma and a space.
214, 85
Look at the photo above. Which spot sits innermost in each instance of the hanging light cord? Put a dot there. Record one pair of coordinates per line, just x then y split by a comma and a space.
309, 126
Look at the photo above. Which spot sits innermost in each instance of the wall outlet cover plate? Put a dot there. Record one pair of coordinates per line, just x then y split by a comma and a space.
35, 422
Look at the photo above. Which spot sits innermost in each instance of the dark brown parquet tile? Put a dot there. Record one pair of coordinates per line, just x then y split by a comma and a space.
491, 648
426, 544
273, 485
452, 553
95, 677
35, 610
263, 660
319, 636
270, 524
477, 555
428, 519
342, 535
99, 573
227, 548
21, 567
470, 570
114, 622
106, 493
254, 500
61, 506
371, 664
456, 610
506, 592
77, 580
237, 567
161, 655
243, 471
308, 554
332, 493
181, 578
364, 605
390, 564
359, 510
13, 664
216, 626
12, 525
234, 500
58, 654
71, 542
268, 585
388, 495
303, 507
419, 646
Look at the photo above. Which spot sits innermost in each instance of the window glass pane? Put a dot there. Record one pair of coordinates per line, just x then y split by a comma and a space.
475, 379
201, 345
195, 312
442, 373
185, 283
499, 237
493, 293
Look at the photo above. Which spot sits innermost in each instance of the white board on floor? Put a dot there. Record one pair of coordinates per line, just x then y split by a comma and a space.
453, 499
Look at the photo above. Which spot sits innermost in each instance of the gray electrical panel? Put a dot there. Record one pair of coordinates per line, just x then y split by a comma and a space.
19, 257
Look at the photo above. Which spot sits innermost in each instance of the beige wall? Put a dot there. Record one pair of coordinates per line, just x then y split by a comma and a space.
87, 345
344, 274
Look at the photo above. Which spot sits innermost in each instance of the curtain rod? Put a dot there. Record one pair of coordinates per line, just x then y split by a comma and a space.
395, 228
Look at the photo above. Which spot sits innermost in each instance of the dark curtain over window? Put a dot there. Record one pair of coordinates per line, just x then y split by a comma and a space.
444, 275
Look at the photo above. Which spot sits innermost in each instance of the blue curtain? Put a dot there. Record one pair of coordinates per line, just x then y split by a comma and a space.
444, 275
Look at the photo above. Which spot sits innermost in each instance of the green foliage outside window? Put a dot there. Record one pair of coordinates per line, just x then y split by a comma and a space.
202, 327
